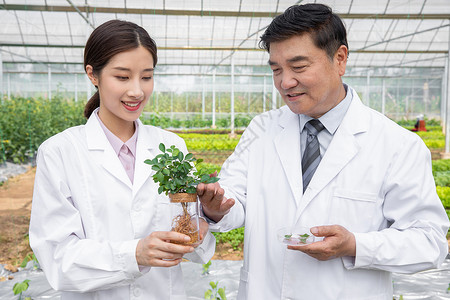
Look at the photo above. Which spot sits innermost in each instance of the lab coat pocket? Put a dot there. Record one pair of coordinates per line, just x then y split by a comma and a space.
353, 210
243, 284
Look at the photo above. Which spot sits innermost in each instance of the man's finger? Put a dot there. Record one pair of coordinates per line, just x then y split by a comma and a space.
200, 188
326, 230
227, 204
209, 192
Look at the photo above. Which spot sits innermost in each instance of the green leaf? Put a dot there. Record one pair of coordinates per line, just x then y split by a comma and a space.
191, 190
208, 294
166, 172
180, 156
175, 152
158, 177
162, 147
189, 156
156, 168
20, 287
213, 284
148, 161
213, 179
160, 190
221, 292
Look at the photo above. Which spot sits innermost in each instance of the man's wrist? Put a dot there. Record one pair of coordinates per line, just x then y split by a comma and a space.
207, 218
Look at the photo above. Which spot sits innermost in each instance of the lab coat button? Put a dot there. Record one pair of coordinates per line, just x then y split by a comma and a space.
137, 291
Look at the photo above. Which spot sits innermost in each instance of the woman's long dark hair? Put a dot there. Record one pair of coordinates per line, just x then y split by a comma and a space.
109, 39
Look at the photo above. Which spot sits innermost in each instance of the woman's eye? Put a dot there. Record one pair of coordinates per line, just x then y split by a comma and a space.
147, 77
122, 77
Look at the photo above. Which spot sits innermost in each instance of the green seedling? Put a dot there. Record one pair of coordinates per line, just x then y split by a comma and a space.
21, 287
206, 268
215, 293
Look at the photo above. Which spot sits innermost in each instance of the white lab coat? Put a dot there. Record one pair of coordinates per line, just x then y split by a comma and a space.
87, 217
374, 179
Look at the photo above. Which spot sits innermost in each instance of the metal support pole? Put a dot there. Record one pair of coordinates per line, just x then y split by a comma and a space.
383, 98
367, 93
426, 96
447, 101
9, 86
214, 100
232, 96
49, 77
274, 96
76, 87
1, 77
264, 95
171, 105
203, 97
443, 98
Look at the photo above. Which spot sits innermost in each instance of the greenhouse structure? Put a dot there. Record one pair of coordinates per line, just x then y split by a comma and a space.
211, 79
210, 63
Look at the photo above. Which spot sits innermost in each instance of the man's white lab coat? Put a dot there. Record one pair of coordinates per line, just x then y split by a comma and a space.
374, 179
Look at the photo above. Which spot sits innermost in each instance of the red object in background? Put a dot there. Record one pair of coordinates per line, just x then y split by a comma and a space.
419, 126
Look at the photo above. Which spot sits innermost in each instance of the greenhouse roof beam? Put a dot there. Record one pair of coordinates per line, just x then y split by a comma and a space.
403, 36
123, 10
86, 11
222, 48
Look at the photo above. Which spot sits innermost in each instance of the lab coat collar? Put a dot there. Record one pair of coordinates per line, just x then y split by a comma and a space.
146, 148
103, 152
287, 145
340, 152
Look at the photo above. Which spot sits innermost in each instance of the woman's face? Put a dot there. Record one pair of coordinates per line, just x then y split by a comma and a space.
125, 85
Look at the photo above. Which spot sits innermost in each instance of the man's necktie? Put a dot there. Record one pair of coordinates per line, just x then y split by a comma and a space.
311, 157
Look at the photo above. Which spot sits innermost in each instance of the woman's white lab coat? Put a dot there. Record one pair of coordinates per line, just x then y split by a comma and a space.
375, 179
87, 217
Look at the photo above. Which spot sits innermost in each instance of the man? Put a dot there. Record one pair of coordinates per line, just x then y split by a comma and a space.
371, 201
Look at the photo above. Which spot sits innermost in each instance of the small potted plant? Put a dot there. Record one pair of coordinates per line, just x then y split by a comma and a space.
178, 178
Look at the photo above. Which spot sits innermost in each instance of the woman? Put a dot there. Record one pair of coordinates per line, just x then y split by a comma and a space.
98, 226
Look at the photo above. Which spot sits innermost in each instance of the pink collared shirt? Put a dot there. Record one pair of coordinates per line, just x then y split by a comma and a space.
125, 151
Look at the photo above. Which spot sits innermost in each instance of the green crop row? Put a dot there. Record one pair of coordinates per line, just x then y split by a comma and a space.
205, 142
26, 123
240, 121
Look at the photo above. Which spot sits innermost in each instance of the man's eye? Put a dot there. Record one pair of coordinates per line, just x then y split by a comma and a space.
297, 68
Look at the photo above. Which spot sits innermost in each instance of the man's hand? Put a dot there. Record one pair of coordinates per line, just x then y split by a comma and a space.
156, 249
215, 205
338, 242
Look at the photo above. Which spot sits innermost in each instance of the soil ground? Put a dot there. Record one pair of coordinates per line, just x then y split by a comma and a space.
15, 207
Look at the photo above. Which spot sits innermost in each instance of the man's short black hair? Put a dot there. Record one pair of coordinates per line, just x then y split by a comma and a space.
325, 27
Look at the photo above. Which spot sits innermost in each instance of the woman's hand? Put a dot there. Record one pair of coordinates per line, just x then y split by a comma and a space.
157, 249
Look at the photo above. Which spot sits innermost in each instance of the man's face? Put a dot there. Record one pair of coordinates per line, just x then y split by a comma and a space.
308, 80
